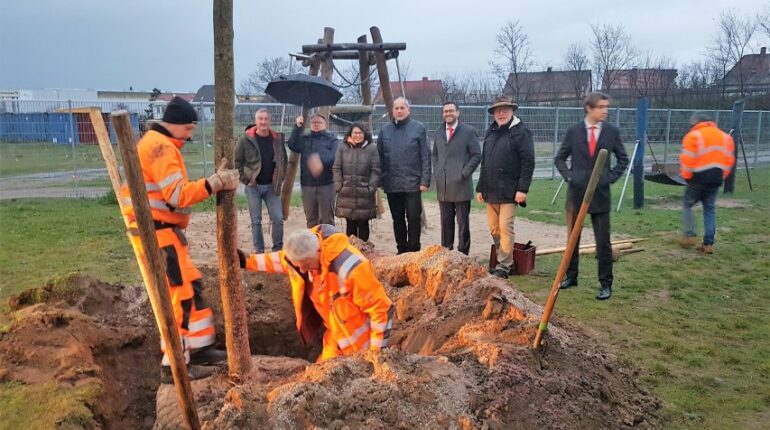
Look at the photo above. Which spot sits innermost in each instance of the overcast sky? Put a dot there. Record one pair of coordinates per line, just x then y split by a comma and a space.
169, 44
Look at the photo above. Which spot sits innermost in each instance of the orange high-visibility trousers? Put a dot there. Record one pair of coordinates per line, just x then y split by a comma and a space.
194, 320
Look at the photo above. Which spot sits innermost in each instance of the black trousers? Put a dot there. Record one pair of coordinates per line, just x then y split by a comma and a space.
406, 210
359, 229
450, 210
601, 225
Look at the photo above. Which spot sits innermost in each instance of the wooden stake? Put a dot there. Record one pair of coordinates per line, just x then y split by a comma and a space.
233, 299
601, 159
327, 68
548, 251
154, 268
366, 100
382, 71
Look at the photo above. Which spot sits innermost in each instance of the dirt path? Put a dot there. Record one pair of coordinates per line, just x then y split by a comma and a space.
202, 233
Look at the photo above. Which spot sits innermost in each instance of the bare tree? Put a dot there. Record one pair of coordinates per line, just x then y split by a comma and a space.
612, 51
514, 57
267, 70
576, 62
763, 20
730, 45
655, 77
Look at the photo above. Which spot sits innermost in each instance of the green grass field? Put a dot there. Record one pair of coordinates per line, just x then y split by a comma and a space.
697, 326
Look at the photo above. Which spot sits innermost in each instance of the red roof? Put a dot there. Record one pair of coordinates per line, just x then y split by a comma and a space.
423, 92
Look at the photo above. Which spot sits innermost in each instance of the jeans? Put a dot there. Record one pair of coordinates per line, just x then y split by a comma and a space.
255, 195
706, 194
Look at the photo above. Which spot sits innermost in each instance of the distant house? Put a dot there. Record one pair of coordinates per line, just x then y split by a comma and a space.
750, 75
159, 105
548, 86
641, 82
138, 96
207, 95
423, 92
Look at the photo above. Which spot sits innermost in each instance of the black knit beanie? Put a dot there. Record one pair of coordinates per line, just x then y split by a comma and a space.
179, 111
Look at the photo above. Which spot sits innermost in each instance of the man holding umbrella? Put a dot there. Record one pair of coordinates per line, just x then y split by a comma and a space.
317, 150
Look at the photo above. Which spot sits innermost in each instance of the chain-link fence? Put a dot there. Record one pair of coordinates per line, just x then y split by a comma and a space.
46, 151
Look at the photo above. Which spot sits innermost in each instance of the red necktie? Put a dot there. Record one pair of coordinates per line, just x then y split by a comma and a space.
451, 133
592, 141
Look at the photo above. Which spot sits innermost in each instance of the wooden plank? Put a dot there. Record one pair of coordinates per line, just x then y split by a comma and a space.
103, 137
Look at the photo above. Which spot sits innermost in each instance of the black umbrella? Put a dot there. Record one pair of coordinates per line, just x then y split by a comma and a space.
303, 90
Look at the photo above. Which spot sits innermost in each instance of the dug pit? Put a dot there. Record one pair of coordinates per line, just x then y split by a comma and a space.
460, 358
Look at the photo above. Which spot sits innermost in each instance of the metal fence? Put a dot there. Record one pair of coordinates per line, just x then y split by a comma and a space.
47, 153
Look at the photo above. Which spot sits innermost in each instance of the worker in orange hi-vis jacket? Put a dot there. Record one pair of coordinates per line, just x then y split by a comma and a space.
707, 157
171, 196
332, 284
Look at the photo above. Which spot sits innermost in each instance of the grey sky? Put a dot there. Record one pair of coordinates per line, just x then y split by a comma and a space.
169, 44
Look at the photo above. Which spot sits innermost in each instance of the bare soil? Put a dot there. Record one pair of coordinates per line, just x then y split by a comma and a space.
460, 358
203, 241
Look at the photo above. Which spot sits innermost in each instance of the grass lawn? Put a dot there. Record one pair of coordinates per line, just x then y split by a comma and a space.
697, 326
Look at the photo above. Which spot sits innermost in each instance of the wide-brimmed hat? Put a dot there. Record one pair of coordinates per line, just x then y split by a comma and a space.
502, 101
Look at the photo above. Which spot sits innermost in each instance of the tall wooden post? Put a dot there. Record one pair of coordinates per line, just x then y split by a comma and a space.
366, 86
327, 67
154, 272
233, 300
382, 71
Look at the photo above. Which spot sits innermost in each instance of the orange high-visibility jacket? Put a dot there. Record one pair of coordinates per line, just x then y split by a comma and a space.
352, 303
708, 154
165, 176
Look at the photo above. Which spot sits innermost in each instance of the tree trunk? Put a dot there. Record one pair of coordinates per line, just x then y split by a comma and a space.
233, 300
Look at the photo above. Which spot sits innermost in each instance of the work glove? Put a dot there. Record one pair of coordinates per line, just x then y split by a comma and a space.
224, 179
242, 259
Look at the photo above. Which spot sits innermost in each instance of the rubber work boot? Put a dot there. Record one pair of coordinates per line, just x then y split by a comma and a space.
706, 249
194, 372
208, 355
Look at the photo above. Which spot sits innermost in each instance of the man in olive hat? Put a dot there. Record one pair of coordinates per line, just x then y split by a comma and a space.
507, 165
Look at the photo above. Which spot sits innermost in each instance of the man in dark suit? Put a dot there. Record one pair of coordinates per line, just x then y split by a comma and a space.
582, 143
456, 154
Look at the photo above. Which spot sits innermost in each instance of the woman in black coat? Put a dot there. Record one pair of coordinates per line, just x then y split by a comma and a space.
356, 173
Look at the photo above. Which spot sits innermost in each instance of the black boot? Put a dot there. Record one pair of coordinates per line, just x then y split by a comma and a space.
208, 355
194, 372
567, 283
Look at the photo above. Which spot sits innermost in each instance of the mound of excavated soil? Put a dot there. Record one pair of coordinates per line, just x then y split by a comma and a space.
78, 331
460, 358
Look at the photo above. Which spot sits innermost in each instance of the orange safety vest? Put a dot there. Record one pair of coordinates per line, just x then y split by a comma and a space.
352, 303
704, 149
169, 191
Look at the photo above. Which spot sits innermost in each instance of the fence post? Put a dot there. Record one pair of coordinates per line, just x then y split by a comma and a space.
203, 132
641, 135
756, 144
716, 117
668, 137
617, 119
72, 144
555, 140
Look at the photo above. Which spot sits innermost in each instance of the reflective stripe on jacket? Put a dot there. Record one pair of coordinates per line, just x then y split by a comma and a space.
708, 154
169, 191
352, 303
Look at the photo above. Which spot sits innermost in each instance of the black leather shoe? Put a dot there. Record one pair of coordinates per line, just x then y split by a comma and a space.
194, 372
567, 283
208, 356
604, 293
